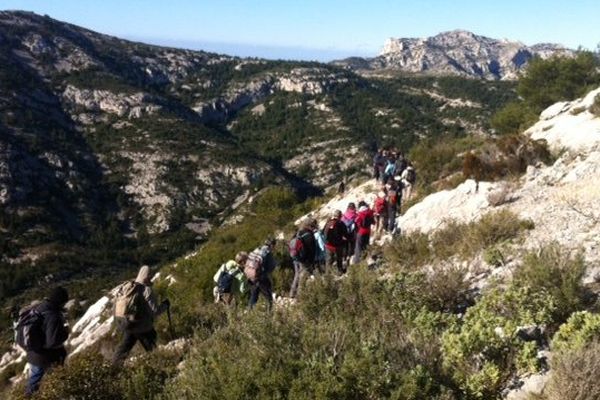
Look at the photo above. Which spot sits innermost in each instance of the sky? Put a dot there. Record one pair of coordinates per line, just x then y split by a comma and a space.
322, 30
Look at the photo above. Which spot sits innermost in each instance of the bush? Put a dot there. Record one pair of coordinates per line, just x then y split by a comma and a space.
482, 353
580, 329
515, 117
554, 270
575, 374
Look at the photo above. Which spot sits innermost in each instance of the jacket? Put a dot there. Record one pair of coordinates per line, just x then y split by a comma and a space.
310, 245
55, 336
364, 220
240, 283
335, 232
320, 249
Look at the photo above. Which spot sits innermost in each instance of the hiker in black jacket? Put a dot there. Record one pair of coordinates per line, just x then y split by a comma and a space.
304, 262
335, 233
55, 334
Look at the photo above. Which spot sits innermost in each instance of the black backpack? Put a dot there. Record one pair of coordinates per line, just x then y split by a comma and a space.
225, 282
29, 333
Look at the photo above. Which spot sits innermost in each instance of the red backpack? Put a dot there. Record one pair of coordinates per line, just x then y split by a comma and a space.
379, 205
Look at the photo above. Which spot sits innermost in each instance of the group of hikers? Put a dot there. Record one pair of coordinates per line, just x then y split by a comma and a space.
41, 329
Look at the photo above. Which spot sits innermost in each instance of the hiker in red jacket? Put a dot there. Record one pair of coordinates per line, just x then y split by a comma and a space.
380, 210
364, 220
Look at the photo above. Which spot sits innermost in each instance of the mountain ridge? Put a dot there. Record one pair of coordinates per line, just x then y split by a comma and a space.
458, 52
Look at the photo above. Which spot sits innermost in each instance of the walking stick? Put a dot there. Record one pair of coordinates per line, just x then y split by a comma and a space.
170, 323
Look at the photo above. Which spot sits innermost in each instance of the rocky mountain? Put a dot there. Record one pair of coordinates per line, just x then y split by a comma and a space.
115, 153
456, 52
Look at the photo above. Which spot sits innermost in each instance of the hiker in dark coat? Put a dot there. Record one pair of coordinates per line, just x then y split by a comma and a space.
335, 241
142, 329
55, 333
304, 262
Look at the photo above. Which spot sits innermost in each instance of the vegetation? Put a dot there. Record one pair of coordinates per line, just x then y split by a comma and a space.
544, 83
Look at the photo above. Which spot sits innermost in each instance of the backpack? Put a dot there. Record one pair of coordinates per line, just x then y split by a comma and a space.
350, 225
367, 221
29, 333
411, 176
253, 266
225, 282
379, 206
128, 302
297, 247
393, 197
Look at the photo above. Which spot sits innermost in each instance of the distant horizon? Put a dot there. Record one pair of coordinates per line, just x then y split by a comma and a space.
322, 30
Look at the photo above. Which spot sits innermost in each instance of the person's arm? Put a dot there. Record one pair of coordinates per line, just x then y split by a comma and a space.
55, 329
150, 298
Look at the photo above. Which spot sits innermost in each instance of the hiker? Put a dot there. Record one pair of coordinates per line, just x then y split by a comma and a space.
258, 268
401, 164
230, 280
390, 169
394, 197
348, 219
342, 187
335, 239
380, 212
378, 163
136, 308
50, 350
303, 248
409, 177
364, 220
320, 251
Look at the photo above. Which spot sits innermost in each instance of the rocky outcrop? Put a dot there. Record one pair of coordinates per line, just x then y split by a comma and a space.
456, 53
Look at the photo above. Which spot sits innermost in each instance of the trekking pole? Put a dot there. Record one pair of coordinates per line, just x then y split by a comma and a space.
170, 323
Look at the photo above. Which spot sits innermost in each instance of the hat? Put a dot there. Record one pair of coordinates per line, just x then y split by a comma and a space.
241, 257
143, 275
58, 296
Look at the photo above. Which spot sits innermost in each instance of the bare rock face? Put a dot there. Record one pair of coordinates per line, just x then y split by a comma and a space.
456, 52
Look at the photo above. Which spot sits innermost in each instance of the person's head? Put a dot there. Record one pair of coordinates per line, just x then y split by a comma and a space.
337, 214
306, 223
58, 297
241, 257
143, 276
314, 224
352, 206
270, 242
362, 204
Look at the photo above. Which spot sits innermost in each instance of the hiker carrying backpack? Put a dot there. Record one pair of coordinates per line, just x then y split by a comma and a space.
258, 267
230, 279
302, 246
41, 331
135, 310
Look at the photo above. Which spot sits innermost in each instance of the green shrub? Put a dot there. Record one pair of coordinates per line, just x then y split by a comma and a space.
555, 271
515, 117
481, 353
580, 329
575, 374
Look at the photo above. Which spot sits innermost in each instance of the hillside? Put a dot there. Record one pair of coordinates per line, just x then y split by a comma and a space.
479, 297
455, 52
115, 153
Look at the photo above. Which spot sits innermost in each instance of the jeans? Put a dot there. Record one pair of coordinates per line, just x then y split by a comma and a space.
146, 339
35, 377
299, 269
264, 286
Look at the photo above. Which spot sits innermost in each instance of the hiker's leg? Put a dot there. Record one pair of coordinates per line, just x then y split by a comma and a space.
339, 258
392, 219
296, 281
148, 340
357, 249
125, 347
254, 290
35, 378
266, 289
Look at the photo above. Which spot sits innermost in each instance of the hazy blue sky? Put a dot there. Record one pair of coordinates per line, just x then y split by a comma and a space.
322, 29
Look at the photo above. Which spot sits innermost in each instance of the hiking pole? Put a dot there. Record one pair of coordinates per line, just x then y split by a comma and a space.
170, 323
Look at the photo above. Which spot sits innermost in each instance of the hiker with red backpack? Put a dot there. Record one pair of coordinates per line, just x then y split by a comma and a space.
364, 220
302, 249
258, 268
135, 309
349, 219
230, 280
335, 235
380, 212
41, 331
